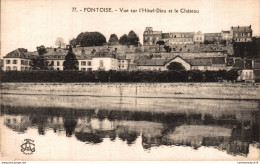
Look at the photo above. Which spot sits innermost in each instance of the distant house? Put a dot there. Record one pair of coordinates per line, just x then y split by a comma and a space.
123, 63
104, 60
241, 33
198, 37
248, 69
18, 60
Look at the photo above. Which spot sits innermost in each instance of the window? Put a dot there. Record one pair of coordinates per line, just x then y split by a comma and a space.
26, 62
22, 62
26, 68
83, 63
22, 68
58, 69
101, 63
8, 61
14, 61
14, 68
83, 69
89, 69
89, 63
58, 63
8, 68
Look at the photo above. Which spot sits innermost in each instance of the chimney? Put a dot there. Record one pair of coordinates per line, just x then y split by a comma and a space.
232, 27
250, 26
237, 26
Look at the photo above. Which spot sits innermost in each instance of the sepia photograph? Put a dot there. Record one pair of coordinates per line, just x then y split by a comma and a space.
130, 80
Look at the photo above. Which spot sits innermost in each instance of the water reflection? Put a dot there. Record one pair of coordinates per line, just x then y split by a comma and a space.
231, 131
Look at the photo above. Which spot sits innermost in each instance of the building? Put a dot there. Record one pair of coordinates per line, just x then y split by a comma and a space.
123, 63
55, 58
212, 37
178, 38
225, 35
104, 60
150, 64
18, 60
241, 33
202, 64
150, 37
85, 63
198, 37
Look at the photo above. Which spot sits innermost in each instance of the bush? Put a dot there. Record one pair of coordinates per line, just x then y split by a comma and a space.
117, 76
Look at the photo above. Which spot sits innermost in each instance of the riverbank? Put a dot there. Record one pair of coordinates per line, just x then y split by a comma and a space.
162, 90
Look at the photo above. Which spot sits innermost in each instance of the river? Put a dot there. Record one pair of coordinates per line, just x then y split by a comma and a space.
80, 127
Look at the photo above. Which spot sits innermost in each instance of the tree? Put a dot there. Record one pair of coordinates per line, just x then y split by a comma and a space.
41, 50
90, 39
39, 63
60, 42
176, 66
113, 39
160, 42
73, 42
133, 39
123, 40
71, 62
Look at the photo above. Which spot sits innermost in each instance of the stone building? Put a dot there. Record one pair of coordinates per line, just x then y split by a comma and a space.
178, 38
198, 37
212, 37
197, 63
150, 37
241, 33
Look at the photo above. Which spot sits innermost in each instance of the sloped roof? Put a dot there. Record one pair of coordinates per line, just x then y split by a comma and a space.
218, 60
227, 32
20, 53
185, 34
200, 61
242, 28
212, 34
150, 62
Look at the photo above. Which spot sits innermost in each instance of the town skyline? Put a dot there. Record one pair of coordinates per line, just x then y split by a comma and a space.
21, 30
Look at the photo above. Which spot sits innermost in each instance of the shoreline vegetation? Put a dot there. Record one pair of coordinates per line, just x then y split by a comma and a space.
119, 76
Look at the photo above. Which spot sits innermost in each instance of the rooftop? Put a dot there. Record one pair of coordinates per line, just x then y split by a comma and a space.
242, 28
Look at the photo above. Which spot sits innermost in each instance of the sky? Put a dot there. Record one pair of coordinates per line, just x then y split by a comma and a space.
31, 23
